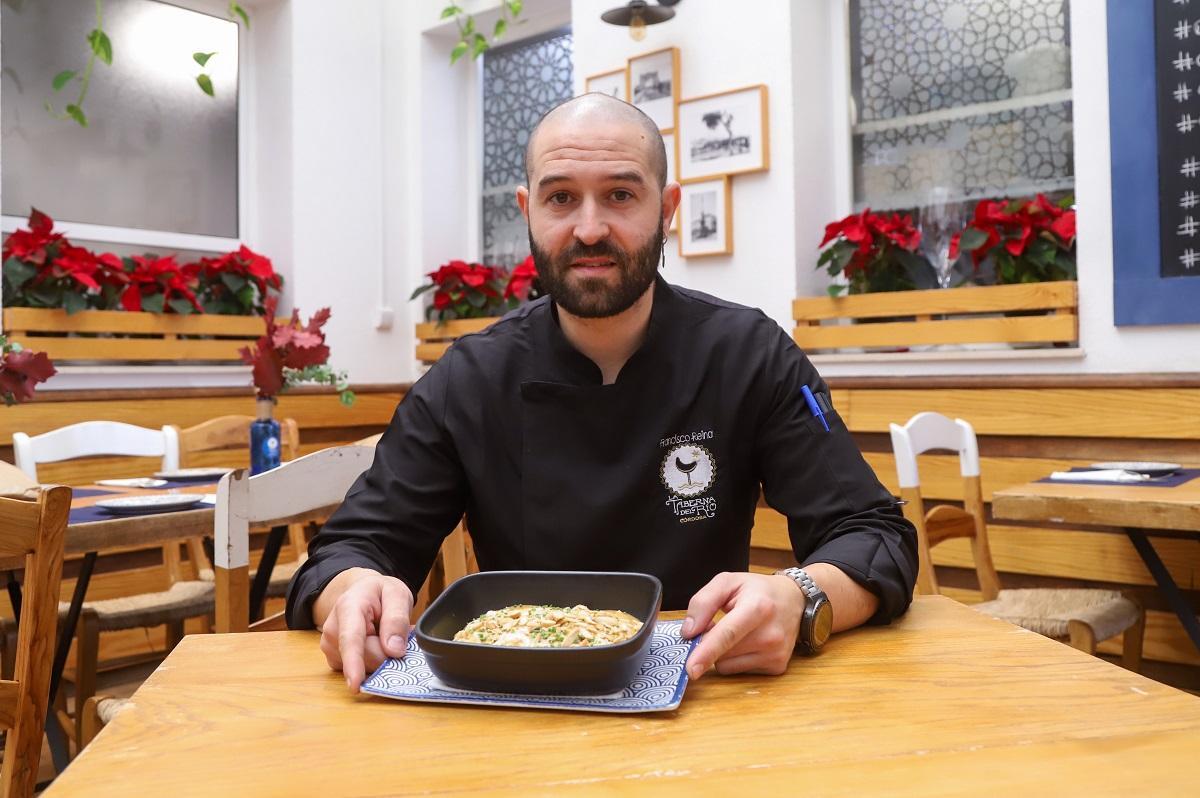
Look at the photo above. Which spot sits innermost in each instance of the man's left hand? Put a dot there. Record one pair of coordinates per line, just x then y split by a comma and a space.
759, 629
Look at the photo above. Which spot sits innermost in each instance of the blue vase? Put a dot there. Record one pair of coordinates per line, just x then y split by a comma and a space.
264, 439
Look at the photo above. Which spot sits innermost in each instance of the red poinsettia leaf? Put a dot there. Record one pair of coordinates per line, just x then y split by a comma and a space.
35, 366
40, 223
11, 383
131, 298
317, 320
299, 357
954, 240
1064, 227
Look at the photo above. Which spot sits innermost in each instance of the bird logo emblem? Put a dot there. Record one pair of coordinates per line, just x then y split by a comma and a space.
688, 470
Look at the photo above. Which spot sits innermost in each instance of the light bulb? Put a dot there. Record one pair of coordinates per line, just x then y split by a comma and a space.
637, 27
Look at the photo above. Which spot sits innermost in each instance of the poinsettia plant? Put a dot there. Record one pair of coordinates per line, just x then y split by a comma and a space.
464, 290
1030, 241
158, 285
42, 269
20, 370
237, 283
291, 354
874, 251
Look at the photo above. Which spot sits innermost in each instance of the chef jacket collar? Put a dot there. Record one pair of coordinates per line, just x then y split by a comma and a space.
566, 363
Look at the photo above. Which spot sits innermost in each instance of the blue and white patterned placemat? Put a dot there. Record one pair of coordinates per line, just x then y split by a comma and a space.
658, 685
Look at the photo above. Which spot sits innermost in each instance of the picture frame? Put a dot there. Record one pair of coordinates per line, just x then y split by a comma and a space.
669, 141
614, 83
723, 134
706, 218
652, 85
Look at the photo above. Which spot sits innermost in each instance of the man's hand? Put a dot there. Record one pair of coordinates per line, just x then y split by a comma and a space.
758, 632
364, 619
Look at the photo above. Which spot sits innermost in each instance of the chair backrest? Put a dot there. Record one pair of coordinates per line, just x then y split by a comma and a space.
229, 432
89, 438
370, 440
288, 493
35, 530
926, 432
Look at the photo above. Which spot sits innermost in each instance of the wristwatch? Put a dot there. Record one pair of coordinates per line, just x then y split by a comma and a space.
817, 622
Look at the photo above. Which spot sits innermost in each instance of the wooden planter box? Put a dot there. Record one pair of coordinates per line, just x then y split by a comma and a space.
434, 338
116, 336
1029, 313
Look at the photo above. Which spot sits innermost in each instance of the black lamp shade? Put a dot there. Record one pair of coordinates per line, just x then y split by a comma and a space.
651, 15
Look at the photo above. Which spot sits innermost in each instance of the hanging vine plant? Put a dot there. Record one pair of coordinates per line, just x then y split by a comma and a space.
473, 41
101, 49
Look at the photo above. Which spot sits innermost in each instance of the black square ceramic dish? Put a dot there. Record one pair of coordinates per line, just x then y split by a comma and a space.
506, 669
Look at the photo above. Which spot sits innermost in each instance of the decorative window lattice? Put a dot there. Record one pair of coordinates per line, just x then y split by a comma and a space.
972, 96
520, 83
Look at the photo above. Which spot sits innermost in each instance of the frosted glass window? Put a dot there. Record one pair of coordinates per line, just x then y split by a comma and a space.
520, 83
960, 98
157, 154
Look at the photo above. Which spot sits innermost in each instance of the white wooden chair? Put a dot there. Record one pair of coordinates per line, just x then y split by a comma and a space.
1080, 617
170, 607
292, 492
89, 438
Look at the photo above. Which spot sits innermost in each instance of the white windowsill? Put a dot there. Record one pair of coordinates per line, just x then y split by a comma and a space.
84, 378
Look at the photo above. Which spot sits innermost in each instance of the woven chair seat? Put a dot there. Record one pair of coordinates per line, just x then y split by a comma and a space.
1047, 611
281, 577
182, 600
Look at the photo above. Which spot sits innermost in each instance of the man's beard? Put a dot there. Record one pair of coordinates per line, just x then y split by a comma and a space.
592, 297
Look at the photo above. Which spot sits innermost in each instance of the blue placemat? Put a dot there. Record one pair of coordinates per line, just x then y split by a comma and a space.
658, 686
83, 515
83, 493
1169, 481
187, 483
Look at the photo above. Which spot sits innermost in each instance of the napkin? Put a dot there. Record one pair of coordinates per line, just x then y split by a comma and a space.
1101, 475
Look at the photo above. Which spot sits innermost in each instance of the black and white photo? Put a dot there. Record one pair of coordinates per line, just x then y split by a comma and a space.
705, 218
614, 84
654, 85
723, 134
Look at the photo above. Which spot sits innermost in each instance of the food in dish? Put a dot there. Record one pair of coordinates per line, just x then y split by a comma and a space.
545, 626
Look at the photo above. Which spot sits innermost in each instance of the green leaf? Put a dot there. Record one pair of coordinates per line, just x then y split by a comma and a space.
450, 11
458, 52
205, 83
835, 290
62, 78
515, 6
844, 251
73, 303
234, 282
501, 26
971, 239
476, 299
481, 44
101, 45
202, 58
17, 272
422, 289
181, 306
346, 397
468, 27
153, 303
1066, 202
246, 295
76, 113
238, 11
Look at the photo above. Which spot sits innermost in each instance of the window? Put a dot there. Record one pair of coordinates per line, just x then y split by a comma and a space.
520, 83
959, 99
157, 155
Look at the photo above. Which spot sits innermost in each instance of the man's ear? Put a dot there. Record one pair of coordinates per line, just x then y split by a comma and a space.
670, 204
523, 201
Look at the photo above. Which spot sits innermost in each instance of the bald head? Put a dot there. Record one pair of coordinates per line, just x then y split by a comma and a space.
579, 113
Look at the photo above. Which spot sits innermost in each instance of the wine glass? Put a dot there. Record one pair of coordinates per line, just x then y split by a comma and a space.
939, 220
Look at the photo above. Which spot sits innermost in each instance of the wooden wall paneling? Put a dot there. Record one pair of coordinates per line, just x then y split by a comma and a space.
1087, 413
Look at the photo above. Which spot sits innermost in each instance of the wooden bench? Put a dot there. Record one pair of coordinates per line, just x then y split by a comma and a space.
435, 337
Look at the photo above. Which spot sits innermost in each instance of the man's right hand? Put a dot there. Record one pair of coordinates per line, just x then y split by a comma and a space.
364, 619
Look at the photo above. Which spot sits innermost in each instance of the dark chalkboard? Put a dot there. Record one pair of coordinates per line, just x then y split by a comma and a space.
1177, 72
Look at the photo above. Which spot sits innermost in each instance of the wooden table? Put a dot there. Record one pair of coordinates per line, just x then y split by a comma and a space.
1134, 510
943, 701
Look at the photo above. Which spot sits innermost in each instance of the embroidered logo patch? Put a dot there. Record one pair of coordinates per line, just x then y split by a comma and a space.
688, 470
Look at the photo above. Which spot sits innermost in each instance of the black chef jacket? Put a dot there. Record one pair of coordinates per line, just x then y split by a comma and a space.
658, 472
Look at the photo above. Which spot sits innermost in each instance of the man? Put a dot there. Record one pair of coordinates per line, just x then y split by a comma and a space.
624, 425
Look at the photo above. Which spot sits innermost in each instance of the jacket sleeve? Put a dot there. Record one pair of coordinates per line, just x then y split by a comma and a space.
837, 510
395, 516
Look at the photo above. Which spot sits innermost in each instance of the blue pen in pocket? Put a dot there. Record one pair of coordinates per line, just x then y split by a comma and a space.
811, 401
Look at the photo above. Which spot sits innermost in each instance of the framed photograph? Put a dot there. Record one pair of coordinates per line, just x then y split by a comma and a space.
723, 134
669, 141
654, 85
706, 219
614, 84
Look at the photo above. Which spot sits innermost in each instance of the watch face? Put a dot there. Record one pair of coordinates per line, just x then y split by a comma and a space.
822, 624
